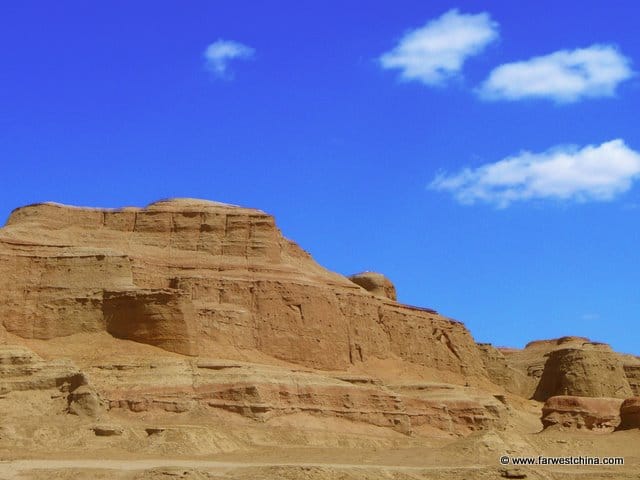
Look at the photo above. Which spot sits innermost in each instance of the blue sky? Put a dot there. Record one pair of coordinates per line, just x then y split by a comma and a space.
483, 156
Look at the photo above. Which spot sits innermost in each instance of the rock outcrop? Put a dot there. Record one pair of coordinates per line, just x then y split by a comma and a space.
261, 393
375, 283
191, 275
593, 371
630, 414
565, 373
197, 278
631, 366
161, 317
22, 372
197, 323
596, 414
502, 373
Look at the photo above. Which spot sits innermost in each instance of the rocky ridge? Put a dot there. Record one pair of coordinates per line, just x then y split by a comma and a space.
195, 326
188, 275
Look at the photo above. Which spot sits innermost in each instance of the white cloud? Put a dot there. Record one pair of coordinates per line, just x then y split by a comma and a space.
563, 76
221, 52
591, 173
436, 52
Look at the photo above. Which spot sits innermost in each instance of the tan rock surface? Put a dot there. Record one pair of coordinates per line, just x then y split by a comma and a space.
631, 366
375, 283
596, 414
586, 372
502, 373
630, 414
22, 370
531, 362
191, 330
198, 274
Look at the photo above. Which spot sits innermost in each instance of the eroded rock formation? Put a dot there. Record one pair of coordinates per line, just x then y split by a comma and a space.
375, 283
210, 281
630, 414
594, 371
23, 370
631, 366
262, 392
188, 275
502, 373
164, 326
596, 414
23, 373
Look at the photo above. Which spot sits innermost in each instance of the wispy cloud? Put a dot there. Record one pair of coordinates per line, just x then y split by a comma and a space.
218, 55
436, 52
591, 173
563, 76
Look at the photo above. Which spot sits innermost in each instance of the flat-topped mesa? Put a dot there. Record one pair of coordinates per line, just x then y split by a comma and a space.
570, 366
585, 372
178, 224
552, 343
191, 275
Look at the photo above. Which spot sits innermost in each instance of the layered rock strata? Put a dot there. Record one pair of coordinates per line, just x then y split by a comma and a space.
630, 414
190, 275
263, 392
375, 283
502, 373
595, 414
194, 280
577, 368
588, 372
631, 366
22, 371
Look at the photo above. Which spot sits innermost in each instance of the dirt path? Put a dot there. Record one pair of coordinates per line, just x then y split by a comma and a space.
12, 469
17, 469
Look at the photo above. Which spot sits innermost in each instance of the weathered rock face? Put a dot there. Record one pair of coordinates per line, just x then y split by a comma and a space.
264, 392
451, 408
532, 361
555, 343
190, 275
22, 371
596, 414
529, 362
593, 371
195, 328
630, 413
375, 283
631, 366
161, 317
503, 374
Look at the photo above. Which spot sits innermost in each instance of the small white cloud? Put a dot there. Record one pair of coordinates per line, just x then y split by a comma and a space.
592, 173
436, 52
221, 52
564, 76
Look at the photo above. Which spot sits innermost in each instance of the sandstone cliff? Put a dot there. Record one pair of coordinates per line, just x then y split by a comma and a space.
196, 327
188, 275
597, 414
